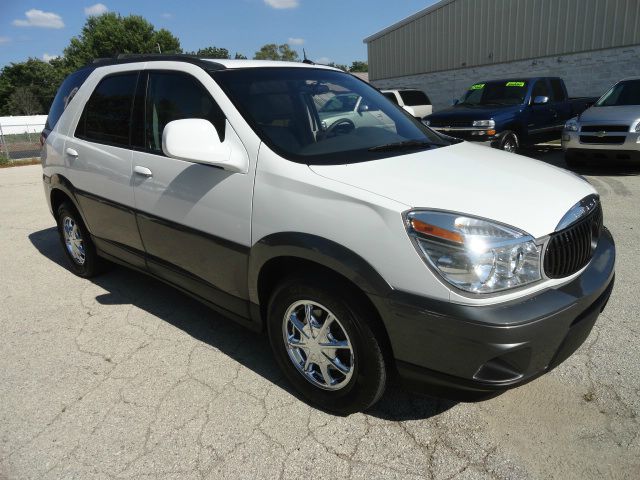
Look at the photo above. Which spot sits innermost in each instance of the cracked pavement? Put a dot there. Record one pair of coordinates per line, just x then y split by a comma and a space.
123, 377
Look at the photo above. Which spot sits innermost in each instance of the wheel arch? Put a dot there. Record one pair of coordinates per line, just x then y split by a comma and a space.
280, 255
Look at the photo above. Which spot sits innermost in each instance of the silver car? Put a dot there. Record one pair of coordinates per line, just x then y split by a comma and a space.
609, 130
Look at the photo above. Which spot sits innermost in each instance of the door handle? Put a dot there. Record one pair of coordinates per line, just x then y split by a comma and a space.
142, 171
71, 152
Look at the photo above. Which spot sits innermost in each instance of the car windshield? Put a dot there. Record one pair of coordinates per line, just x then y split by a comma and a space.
313, 115
508, 92
623, 93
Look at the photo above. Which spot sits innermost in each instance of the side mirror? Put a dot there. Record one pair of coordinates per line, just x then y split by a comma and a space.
540, 100
196, 140
363, 107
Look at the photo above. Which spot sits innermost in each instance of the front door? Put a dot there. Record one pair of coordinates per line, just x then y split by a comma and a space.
542, 121
194, 219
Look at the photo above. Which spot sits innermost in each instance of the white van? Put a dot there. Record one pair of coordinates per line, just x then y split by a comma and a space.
364, 250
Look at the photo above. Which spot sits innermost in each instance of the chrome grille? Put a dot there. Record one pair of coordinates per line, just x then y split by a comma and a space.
571, 249
604, 128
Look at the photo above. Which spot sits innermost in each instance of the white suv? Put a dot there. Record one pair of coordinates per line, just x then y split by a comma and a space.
364, 252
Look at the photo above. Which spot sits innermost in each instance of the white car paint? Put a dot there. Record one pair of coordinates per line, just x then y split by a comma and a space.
359, 206
418, 111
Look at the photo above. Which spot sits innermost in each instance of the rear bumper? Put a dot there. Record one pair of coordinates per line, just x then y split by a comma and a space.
455, 350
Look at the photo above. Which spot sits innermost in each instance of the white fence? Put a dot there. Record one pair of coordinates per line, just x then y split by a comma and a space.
22, 124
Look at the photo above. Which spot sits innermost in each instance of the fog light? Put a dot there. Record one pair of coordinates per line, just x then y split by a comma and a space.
491, 132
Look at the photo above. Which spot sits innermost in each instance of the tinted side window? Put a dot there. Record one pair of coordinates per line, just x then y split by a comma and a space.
414, 97
174, 96
391, 96
65, 94
557, 90
107, 115
540, 89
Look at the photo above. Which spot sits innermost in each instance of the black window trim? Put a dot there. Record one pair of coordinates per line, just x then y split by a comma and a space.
147, 75
136, 71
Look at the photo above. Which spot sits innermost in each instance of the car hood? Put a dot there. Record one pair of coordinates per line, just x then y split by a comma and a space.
626, 113
472, 179
469, 112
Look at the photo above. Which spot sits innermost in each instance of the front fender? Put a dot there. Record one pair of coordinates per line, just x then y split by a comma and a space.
316, 249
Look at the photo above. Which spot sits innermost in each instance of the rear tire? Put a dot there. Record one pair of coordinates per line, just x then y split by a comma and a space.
76, 241
303, 315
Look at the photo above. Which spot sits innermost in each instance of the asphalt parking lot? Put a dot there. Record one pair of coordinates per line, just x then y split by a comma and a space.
124, 377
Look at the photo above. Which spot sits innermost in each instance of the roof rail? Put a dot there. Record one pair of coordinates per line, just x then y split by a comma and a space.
122, 58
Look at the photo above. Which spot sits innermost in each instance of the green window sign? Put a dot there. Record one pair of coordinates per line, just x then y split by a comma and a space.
515, 84
477, 86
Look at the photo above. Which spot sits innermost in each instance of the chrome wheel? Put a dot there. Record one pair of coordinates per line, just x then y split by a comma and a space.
73, 240
510, 144
318, 345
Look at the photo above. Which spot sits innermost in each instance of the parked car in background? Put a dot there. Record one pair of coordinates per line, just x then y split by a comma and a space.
508, 114
415, 102
344, 112
610, 130
385, 249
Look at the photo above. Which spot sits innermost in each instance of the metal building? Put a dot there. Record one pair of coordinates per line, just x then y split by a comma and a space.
590, 43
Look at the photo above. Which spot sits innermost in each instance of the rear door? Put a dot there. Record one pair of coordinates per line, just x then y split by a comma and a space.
98, 160
194, 219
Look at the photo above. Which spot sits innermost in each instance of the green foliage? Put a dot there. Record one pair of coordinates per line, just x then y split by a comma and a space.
40, 78
213, 52
23, 101
344, 68
240, 56
3, 160
110, 34
272, 51
358, 66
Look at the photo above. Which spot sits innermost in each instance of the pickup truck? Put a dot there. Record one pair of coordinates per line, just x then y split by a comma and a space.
511, 113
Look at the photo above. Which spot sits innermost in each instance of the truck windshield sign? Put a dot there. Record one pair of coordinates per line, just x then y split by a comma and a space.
477, 86
515, 84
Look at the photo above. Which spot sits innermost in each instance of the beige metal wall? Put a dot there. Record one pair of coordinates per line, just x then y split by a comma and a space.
466, 33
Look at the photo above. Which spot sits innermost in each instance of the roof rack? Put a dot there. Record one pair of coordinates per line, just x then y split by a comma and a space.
201, 61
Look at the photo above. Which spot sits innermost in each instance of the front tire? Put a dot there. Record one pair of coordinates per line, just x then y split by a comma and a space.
324, 342
509, 142
76, 241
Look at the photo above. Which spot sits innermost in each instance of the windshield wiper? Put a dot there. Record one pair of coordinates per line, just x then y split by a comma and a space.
405, 145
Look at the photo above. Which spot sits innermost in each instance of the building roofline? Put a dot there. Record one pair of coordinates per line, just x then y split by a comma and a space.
409, 19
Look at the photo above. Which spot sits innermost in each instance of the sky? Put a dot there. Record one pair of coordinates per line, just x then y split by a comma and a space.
329, 30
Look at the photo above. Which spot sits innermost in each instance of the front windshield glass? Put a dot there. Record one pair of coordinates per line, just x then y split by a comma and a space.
508, 92
313, 115
623, 93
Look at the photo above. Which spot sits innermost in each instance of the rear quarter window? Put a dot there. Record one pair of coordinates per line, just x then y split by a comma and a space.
414, 97
391, 96
107, 114
65, 94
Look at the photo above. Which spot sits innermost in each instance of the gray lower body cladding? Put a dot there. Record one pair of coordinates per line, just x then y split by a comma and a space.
452, 349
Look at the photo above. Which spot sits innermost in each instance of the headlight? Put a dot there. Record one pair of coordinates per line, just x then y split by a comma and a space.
484, 123
427, 122
571, 125
475, 255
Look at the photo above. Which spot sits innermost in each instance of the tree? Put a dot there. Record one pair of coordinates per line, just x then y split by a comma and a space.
42, 78
110, 34
213, 52
344, 68
23, 101
272, 51
240, 56
358, 66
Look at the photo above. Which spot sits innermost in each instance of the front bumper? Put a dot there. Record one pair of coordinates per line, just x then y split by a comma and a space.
456, 350
576, 149
471, 134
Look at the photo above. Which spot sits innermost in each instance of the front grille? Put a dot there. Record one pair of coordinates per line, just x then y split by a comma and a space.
611, 140
571, 249
450, 123
604, 128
